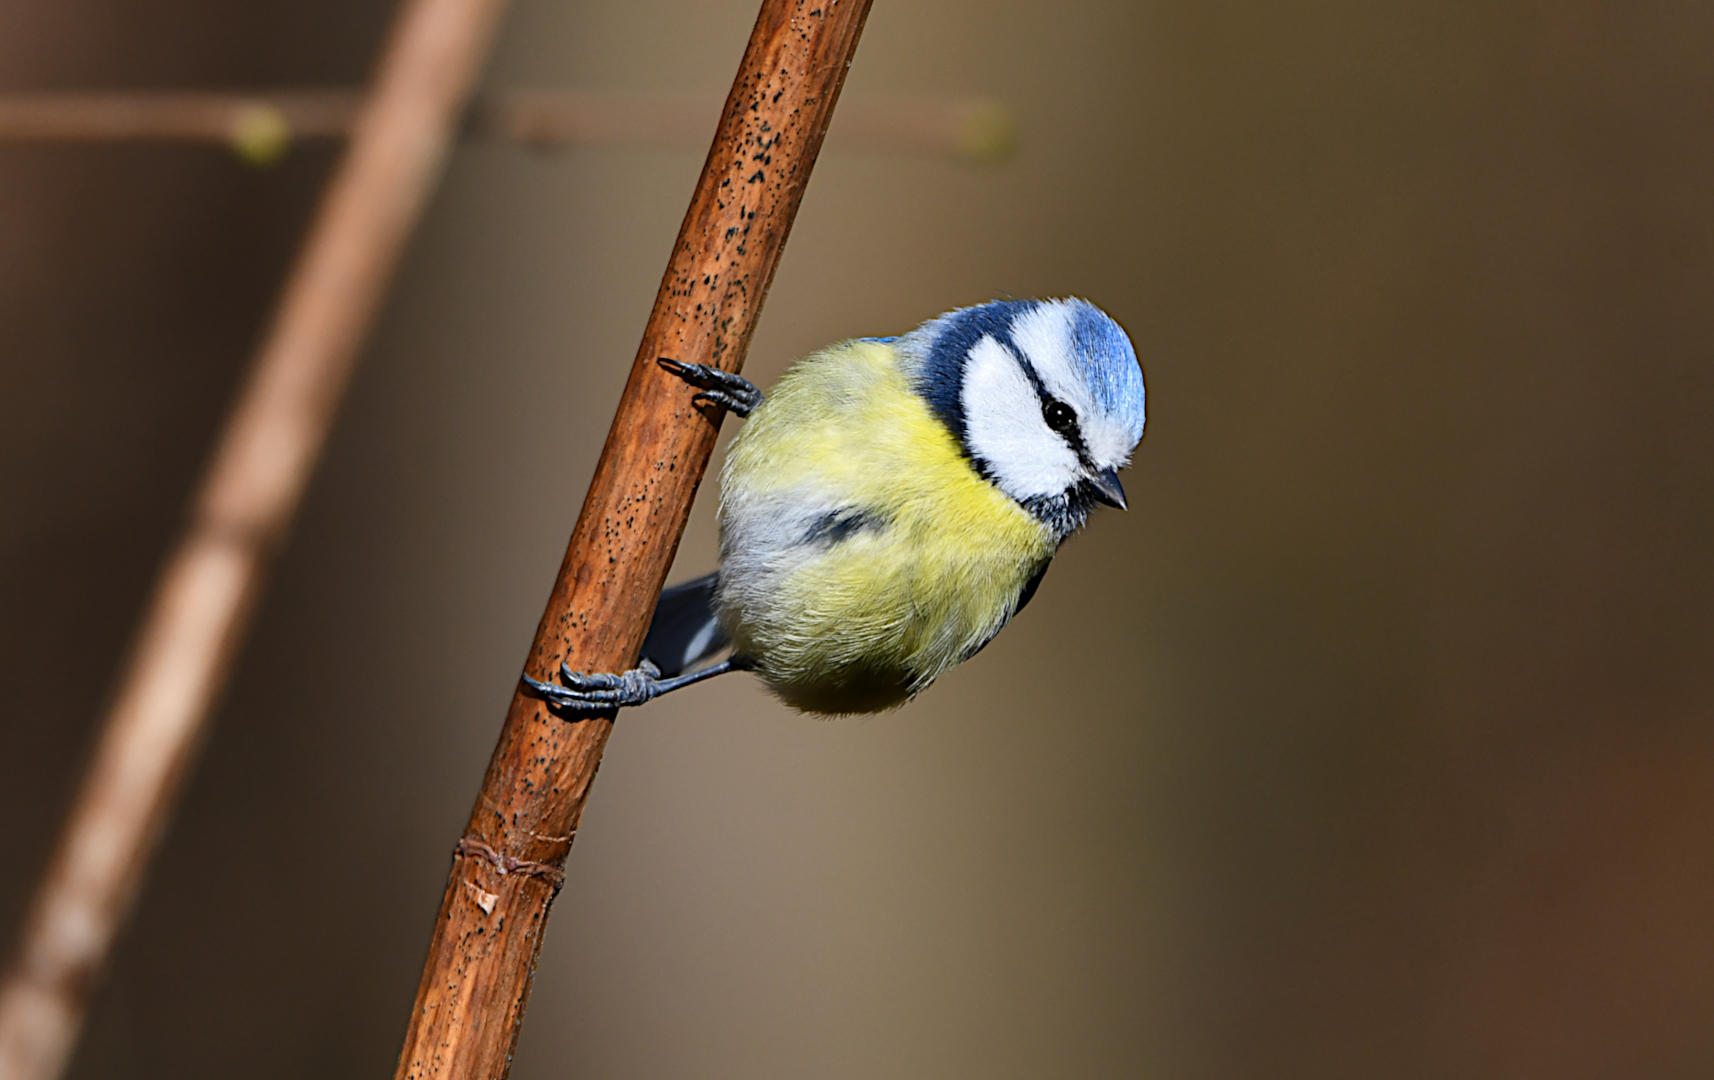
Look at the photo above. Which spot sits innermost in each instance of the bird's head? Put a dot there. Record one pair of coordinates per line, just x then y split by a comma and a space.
1045, 397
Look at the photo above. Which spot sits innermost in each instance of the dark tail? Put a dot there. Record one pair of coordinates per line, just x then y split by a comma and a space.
684, 631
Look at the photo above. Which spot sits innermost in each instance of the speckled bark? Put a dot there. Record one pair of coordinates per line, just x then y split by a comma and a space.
486, 938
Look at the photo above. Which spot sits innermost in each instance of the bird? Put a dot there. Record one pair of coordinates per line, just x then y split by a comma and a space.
890, 505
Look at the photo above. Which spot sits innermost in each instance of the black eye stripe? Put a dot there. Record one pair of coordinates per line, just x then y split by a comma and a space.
1059, 417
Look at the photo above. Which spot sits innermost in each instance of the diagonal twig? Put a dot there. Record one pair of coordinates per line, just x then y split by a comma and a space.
476, 981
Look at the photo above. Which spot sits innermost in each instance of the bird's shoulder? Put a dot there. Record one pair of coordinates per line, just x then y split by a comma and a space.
848, 420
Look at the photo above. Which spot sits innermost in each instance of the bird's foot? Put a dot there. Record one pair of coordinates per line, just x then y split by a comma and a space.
735, 393
587, 691
593, 692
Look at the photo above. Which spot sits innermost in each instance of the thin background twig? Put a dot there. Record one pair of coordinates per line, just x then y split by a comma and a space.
207, 590
262, 126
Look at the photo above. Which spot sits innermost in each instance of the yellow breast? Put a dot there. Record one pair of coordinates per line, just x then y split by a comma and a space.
861, 555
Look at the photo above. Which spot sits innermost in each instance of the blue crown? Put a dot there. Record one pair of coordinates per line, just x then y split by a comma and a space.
1100, 351
1103, 350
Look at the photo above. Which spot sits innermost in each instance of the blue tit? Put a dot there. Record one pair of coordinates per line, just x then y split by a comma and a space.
892, 504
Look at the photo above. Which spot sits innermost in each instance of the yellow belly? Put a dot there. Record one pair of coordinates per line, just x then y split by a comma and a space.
858, 613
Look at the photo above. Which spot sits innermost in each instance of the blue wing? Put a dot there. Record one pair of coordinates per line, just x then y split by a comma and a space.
684, 630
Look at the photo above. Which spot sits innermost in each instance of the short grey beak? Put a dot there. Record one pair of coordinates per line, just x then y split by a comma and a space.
1107, 489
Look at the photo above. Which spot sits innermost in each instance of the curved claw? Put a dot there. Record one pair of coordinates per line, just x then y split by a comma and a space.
559, 697
599, 691
594, 691
734, 393
588, 682
595, 681
735, 406
690, 373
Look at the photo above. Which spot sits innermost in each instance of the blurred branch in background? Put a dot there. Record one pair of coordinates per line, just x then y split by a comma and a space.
261, 128
400, 135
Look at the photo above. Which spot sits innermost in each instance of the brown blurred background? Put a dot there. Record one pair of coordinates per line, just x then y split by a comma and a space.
1375, 741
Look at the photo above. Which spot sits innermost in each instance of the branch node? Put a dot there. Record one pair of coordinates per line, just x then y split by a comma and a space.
506, 864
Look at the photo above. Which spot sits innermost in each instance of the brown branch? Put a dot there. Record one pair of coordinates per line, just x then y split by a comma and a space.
208, 588
262, 126
476, 980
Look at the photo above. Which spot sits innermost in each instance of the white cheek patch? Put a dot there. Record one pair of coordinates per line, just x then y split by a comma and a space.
1045, 336
1004, 426
1108, 443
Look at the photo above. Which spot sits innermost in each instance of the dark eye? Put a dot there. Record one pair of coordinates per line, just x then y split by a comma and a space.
1059, 416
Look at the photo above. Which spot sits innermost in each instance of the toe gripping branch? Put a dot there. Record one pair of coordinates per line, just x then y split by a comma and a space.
735, 393
580, 693
585, 691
